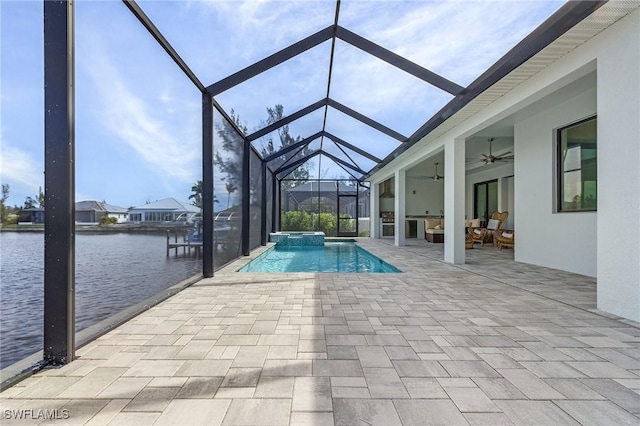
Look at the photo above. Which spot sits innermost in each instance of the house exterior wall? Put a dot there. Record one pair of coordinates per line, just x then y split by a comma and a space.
429, 196
558, 240
605, 244
86, 216
156, 215
618, 232
121, 217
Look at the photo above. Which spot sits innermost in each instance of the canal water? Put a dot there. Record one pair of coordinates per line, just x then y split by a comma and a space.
113, 272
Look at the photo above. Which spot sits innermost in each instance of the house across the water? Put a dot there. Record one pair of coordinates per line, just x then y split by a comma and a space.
166, 210
33, 215
90, 212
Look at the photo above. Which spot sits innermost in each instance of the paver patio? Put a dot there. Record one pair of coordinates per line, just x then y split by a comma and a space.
489, 342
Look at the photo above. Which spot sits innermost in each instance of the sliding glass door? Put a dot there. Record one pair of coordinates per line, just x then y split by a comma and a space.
485, 199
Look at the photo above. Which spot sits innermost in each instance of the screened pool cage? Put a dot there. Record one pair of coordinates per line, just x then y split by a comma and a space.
248, 192
339, 208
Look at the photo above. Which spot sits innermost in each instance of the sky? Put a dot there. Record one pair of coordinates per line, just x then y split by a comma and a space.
138, 117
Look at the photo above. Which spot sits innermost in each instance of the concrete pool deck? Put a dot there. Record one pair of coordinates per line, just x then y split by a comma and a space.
489, 342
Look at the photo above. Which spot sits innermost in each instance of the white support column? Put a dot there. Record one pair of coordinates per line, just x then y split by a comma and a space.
400, 196
454, 195
374, 210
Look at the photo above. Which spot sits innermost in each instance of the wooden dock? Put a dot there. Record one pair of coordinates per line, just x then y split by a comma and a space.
186, 245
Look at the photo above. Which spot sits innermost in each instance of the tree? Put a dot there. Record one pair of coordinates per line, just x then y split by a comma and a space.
3, 200
29, 203
40, 198
196, 195
231, 188
301, 173
229, 159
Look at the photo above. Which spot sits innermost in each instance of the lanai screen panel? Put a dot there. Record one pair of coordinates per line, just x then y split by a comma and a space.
309, 206
306, 169
359, 134
255, 202
218, 38
270, 197
227, 188
137, 149
348, 155
383, 92
294, 84
22, 254
295, 131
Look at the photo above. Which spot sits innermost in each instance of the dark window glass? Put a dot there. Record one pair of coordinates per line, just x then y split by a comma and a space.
578, 167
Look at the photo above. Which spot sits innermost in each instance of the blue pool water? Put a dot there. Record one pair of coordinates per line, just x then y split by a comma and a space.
332, 257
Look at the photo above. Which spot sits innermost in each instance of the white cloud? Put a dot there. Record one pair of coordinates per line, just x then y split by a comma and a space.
137, 123
20, 170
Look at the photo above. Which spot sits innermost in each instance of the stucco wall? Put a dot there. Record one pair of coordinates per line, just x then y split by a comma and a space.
429, 196
619, 169
558, 240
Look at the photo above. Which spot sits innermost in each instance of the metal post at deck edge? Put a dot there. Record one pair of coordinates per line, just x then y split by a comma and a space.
246, 197
59, 183
208, 263
263, 216
274, 207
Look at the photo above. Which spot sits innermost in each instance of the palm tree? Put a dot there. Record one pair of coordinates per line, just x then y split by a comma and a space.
196, 195
230, 188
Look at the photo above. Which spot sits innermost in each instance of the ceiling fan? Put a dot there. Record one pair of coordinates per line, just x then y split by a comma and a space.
490, 158
435, 177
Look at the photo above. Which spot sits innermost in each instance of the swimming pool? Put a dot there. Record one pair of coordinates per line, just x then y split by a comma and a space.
332, 257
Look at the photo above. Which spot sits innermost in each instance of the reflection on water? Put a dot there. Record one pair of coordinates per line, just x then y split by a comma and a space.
113, 272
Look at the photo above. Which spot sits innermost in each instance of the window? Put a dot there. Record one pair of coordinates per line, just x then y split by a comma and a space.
577, 166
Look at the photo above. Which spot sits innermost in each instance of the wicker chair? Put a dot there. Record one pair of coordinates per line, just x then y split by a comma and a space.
505, 238
468, 241
487, 234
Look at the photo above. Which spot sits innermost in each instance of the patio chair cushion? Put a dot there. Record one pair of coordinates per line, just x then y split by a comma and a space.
435, 231
493, 224
431, 223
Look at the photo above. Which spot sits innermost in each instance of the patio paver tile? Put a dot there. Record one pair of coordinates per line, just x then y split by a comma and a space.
311, 394
471, 400
530, 385
422, 412
598, 413
535, 413
194, 412
349, 412
384, 383
454, 346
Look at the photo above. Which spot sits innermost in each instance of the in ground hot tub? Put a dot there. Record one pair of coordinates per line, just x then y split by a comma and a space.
293, 238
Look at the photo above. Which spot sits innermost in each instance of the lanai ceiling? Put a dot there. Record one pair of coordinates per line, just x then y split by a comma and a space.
359, 81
